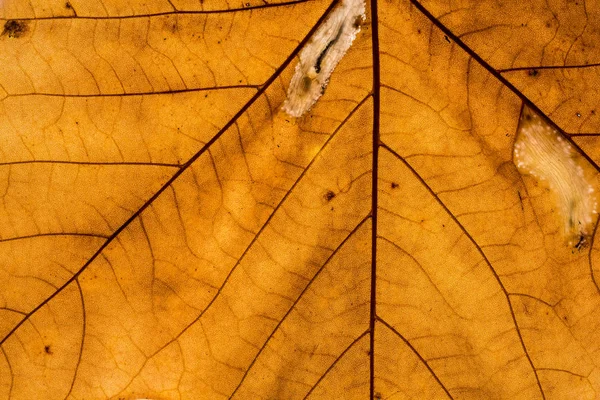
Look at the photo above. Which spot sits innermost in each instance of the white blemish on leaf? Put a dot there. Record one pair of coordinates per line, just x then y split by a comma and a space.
541, 151
321, 54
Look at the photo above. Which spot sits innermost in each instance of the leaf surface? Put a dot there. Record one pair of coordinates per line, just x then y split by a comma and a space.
168, 232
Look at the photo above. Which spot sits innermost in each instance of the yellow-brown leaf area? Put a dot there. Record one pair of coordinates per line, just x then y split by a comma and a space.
167, 232
474, 273
512, 34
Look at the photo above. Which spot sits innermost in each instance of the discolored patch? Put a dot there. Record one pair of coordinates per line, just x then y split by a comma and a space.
321, 54
329, 195
15, 28
542, 152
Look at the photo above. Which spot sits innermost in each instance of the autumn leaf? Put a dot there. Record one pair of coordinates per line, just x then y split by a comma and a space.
167, 231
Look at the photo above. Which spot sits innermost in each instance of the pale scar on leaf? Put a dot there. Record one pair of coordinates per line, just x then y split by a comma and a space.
320, 56
543, 153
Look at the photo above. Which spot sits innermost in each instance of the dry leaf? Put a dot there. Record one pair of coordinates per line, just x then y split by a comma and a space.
168, 232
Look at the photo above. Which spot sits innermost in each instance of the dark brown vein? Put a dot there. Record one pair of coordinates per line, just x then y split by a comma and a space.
141, 163
165, 13
38, 235
125, 94
83, 318
333, 364
548, 67
592, 240
423, 361
374, 190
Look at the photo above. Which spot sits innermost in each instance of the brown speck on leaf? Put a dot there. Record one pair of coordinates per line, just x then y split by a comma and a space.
47, 349
446, 38
14, 28
533, 72
329, 195
68, 6
581, 244
306, 83
394, 185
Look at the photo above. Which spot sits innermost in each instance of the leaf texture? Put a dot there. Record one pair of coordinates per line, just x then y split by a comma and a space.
168, 232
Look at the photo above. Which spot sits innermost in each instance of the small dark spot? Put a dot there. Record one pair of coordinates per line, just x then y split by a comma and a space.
578, 114
306, 83
581, 244
357, 22
247, 4
446, 37
68, 6
329, 195
548, 24
47, 349
419, 31
593, 112
533, 72
14, 28
394, 185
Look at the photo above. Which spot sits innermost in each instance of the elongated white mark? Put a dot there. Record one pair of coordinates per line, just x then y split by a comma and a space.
541, 151
321, 54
